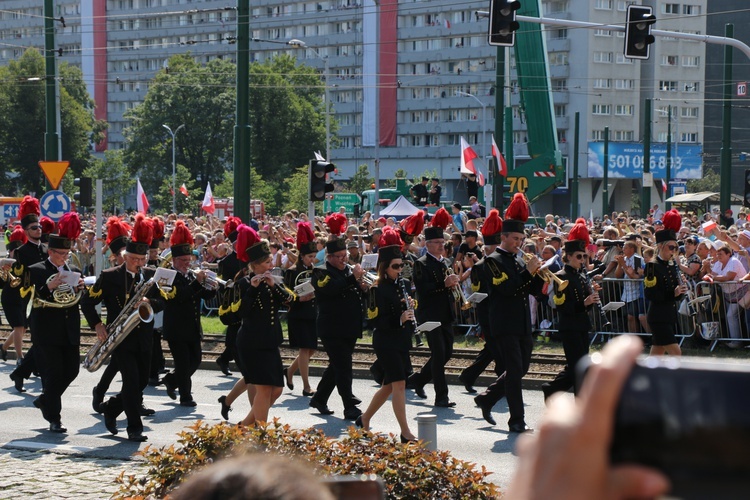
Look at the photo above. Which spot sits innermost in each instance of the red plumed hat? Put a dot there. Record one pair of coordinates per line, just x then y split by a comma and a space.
438, 223
141, 236
492, 227
250, 248
17, 238
578, 237
412, 226
390, 245
230, 227
516, 214
68, 230
181, 241
117, 234
336, 223
305, 238
158, 236
48, 225
672, 222
29, 211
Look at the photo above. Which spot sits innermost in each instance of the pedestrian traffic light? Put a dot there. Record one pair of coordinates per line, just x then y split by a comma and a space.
503, 24
319, 184
638, 37
84, 195
746, 201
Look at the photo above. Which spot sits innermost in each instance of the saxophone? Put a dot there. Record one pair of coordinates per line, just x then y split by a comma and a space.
133, 313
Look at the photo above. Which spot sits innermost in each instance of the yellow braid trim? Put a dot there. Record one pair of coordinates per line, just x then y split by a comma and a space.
558, 299
169, 295
500, 279
649, 282
323, 282
25, 290
94, 294
372, 313
223, 310
236, 306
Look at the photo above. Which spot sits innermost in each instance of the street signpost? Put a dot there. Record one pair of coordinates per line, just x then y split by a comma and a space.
54, 204
337, 200
54, 171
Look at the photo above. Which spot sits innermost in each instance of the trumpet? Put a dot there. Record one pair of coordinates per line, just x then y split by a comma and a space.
9, 277
458, 293
544, 272
212, 282
368, 278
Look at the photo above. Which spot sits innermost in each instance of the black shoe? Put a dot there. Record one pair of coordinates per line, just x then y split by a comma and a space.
223, 366
17, 381
352, 413
486, 410
3, 353
225, 408
154, 381
96, 403
322, 408
110, 422
57, 427
171, 388
418, 390
467, 385
289, 382
547, 391
308, 394
138, 438
444, 403
520, 428
355, 400
358, 422
188, 402
39, 403
404, 440
146, 412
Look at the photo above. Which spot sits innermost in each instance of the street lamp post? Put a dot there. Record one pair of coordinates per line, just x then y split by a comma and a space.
173, 134
487, 192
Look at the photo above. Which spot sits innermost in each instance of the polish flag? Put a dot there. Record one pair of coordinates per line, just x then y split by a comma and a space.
183, 190
468, 155
447, 24
664, 186
502, 167
208, 200
141, 198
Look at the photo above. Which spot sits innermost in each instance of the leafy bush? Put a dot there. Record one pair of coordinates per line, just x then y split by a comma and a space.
408, 470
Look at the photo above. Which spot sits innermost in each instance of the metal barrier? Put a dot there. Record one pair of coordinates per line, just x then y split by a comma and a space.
722, 317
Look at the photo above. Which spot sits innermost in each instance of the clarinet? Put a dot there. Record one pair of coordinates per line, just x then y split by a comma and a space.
410, 325
606, 325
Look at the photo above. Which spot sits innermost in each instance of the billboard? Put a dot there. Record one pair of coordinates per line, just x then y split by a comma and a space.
626, 160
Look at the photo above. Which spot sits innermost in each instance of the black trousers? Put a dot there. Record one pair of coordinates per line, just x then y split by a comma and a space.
157, 355
576, 346
28, 364
187, 358
338, 373
471, 373
440, 342
58, 366
108, 375
230, 349
515, 351
134, 367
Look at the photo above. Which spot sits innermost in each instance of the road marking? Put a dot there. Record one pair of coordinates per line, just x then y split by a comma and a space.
37, 446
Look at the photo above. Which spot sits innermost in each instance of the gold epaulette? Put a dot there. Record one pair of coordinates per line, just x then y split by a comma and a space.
650, 279
503, 277
372, 313
168, 295
558, 299
25, 290
475, 287
94, 294
324, 281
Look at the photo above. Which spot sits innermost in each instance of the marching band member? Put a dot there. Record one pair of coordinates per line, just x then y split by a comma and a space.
573, 304
393, 329
664, 288
301, 316
15, 299
117, 239
114, 287
158, 362
56, 330
228, 268
338, 299
511, 282
182, 316
434, 282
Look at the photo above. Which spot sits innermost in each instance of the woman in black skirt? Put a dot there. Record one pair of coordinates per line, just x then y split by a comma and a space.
301, 315
260, 336
393, 321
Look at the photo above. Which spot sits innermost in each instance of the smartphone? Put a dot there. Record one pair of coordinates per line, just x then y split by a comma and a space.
689, 418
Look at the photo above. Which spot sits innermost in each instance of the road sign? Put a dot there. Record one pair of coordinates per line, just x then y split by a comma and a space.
10, 211
338, 200
742, 89
54, 204
54, 171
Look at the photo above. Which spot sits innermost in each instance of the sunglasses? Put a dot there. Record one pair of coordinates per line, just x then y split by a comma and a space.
672, 247
396, 267
34, 228
578, 256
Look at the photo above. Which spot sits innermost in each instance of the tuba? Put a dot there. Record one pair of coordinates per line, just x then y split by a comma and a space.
129, 318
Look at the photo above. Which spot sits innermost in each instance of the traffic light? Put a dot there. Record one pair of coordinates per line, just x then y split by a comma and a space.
746, 201
505, 201
503, 24
84, 195
638, 37
319, 184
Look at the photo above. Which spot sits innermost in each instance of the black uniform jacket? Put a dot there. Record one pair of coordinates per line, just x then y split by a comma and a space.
384, 312
299, 310
229, 266
510, 285
660, 280
52, 325
480, 283
259, 309
114, 287
26, 256
182, 308
338, 299
434, 300
572, 314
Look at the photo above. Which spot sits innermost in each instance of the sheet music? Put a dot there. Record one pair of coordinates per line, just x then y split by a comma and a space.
70, 278
164, 276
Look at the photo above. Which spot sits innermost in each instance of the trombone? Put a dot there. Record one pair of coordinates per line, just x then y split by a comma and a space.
544, 272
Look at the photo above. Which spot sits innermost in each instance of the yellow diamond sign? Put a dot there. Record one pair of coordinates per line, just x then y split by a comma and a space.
54, 171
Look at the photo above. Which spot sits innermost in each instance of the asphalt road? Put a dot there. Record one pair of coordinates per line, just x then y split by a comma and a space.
460, 430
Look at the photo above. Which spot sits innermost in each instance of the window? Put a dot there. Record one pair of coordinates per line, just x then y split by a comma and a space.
623, 135
601, 109
688, 137
622, 5
558, 59
624, 109
602, 83
670, 8
603, 4
691, 10
520, 137
662, 137
561, 110
621, 59
690, 61
600, 32
559, 85
597, 135
692, 87
668, 86
602, 57
669, 60
689, 112
624, 84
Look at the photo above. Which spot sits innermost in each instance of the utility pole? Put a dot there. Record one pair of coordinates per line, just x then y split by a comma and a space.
51, 137
242, 126
725, 187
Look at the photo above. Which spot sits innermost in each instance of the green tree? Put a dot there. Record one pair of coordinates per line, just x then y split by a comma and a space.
116, 179
361, 180
23, 123
297, 192
710, 181
162, 195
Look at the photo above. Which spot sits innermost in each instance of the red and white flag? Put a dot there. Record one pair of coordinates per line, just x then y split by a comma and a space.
664, 186
208, 200
447, 24
502, 167
141, 198
183, 190
468, 155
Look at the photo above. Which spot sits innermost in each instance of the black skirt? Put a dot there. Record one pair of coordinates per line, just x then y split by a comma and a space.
302, 333
395, 363
15, 309
663, 333
261, 366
